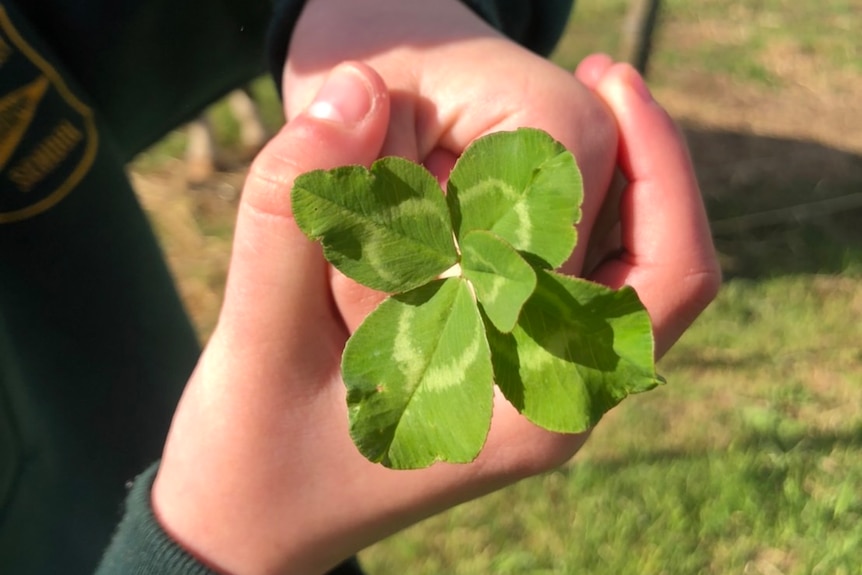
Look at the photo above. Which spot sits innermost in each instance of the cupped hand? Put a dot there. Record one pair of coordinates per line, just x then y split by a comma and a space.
259, 474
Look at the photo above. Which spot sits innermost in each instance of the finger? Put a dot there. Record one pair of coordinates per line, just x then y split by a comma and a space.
667, 253
604, 238
440, 163
604, 235
277, 276
401, 138
592, 68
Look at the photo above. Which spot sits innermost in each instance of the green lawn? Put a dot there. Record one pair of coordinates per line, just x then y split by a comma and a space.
744, 39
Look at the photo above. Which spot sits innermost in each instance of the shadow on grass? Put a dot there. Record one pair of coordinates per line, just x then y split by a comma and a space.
780, 206
767, 440
803, 441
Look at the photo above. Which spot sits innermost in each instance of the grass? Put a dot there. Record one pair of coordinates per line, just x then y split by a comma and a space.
756, 507
750, 41
750, 459
823, 27
746, 462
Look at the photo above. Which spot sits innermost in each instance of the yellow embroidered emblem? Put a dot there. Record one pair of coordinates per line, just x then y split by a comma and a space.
48, 137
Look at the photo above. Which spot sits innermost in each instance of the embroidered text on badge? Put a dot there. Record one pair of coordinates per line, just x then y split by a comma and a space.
48, 137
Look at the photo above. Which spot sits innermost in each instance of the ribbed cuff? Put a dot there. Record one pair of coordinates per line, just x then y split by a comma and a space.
140, 546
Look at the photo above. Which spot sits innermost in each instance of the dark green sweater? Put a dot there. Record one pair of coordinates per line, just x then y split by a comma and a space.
95, 346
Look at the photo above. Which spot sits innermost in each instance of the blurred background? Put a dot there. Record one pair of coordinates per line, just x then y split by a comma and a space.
750, 459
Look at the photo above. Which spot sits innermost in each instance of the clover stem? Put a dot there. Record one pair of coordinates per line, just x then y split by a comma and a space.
453, 272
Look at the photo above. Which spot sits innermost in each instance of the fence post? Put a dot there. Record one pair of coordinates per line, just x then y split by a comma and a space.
637, 34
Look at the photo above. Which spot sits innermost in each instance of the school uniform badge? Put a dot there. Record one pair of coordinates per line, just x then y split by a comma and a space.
48, 137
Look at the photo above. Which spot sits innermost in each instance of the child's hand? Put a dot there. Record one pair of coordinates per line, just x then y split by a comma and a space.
453, 78
259, 474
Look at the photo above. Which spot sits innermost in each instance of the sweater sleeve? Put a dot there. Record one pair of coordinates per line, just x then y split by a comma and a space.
537, 26
141, 547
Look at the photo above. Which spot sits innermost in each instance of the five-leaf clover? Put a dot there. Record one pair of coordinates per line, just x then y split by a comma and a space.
474, 299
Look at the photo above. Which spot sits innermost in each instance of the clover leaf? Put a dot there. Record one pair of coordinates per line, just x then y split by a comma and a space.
524, 187
502, 278
420, 370
388, 229
419, 377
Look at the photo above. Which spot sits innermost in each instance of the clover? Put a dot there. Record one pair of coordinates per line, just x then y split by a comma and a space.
474, 299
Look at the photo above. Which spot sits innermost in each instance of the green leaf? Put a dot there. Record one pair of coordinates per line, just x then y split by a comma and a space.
387, 228
579, 348
419, 378
503, 280
525, 187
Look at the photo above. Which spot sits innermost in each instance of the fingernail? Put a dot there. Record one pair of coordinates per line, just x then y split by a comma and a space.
345, 97
637, 84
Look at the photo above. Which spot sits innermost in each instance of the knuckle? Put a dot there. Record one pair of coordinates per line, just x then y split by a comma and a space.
269, 182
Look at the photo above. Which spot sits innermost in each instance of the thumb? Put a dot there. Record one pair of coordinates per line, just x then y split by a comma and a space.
277, 280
